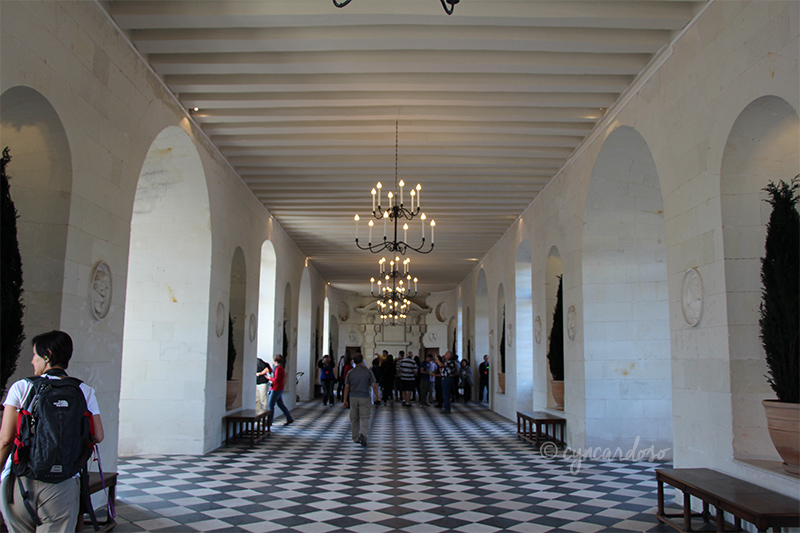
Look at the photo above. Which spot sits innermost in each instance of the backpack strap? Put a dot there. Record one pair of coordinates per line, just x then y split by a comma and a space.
86, 498
26, 499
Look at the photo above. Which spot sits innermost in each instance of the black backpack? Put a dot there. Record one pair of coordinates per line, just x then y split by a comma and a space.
53, 441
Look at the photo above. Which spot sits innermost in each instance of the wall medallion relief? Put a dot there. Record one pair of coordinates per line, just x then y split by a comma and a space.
692, 297
572, 319
100, 290
344, 311
441, 311
537, 329
252, 325
220, 319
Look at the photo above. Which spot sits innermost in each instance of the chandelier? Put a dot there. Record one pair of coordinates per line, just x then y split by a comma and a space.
448, 5
391, 214
394, 290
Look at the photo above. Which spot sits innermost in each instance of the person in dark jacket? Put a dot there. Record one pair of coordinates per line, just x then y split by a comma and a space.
387, 377
326, 378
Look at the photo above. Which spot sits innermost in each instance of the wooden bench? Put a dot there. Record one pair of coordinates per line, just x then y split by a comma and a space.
745, 501
96, 485
538, 427
245, 424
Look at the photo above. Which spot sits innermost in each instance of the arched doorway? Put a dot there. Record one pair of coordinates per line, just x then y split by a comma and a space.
482, 329
762, 146
267, 281
552, 276
236, 329
41, 187
626, 334
501, 339
523, 324
167, 309
306, 349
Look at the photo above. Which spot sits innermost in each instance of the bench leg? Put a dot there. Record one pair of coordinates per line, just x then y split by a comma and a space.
720, 520
687, 512
660, 498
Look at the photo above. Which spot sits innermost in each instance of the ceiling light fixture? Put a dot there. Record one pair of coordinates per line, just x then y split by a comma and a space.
394, 290
393, 213
448, 5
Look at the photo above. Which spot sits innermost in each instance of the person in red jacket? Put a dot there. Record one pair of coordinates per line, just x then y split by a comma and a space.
277, 380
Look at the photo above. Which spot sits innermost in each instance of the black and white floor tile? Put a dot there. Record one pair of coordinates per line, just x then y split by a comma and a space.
423, 471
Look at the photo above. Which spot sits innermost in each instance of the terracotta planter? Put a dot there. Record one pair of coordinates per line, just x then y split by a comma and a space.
501, 382
783, 422
557, 388
232, 394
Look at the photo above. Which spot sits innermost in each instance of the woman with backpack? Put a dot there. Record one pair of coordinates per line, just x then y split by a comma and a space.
52, 501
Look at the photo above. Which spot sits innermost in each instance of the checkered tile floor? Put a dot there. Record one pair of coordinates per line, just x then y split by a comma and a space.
423, 471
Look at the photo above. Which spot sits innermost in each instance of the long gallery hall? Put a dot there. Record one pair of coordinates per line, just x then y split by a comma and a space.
583, 212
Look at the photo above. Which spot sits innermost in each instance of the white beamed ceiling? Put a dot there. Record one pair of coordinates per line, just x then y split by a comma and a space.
302, 98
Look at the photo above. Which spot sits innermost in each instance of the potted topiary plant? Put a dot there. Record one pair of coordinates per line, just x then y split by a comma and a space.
12, 332
555, 352
780, 316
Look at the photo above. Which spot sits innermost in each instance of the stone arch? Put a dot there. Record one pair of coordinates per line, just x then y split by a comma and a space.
523, 327
482, 327
41, 187
553, 271
306, 341
469, 342
168, 310
461, 344
626, 334
762, 146
238, 315
452, 335
501, 347
289, 345
267, 285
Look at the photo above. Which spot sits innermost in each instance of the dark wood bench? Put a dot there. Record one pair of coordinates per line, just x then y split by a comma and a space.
96, 485
245, 424
538, 427
761, 507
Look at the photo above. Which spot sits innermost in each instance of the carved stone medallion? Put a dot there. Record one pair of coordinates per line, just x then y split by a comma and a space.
344, 311
537, 329
220, 319
441, 311
692, 297
571, 322
100, 290
252, 327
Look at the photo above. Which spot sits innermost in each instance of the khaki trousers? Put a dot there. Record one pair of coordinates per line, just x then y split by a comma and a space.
56, 504
360, 411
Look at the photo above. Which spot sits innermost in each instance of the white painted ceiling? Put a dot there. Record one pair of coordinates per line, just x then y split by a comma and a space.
302, 98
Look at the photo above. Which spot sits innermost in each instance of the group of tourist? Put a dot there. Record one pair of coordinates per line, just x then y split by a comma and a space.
407, 378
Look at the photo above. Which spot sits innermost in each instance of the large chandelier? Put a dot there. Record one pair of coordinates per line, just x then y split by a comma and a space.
393, 290
391, 213
448, 5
